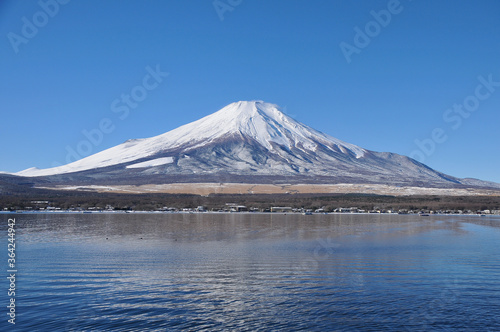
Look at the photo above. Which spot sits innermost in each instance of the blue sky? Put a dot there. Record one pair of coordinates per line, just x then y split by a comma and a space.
422, 78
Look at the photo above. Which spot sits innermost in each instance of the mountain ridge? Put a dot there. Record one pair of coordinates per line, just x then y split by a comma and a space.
242, 141
254, 119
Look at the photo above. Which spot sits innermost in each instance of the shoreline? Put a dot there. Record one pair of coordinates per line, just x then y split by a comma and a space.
46, 201
248, 212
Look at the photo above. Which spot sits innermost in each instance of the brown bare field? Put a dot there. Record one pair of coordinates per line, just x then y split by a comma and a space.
205, 189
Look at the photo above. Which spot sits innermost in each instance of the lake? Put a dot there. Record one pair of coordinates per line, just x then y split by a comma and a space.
253, 272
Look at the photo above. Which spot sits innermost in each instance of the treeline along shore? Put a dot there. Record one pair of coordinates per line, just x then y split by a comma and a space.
43, 200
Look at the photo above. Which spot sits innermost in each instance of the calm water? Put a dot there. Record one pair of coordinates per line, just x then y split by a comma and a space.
254, 272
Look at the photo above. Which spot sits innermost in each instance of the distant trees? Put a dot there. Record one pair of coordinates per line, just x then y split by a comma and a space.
85, 200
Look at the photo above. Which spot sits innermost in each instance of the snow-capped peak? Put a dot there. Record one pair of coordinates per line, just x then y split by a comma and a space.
261, 122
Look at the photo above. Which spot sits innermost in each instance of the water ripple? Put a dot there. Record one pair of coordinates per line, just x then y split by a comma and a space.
250, 273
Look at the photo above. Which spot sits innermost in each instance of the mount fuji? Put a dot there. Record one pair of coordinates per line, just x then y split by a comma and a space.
245, 142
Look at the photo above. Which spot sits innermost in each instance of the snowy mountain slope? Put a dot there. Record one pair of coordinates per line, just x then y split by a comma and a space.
261, 121
245, 141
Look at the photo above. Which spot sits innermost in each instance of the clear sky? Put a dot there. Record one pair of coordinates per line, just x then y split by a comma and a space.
419, 78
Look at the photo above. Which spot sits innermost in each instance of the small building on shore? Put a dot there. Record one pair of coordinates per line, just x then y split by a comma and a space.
233, 207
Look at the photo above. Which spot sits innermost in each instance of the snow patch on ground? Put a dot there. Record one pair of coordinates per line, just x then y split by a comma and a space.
153, 162
242, 188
